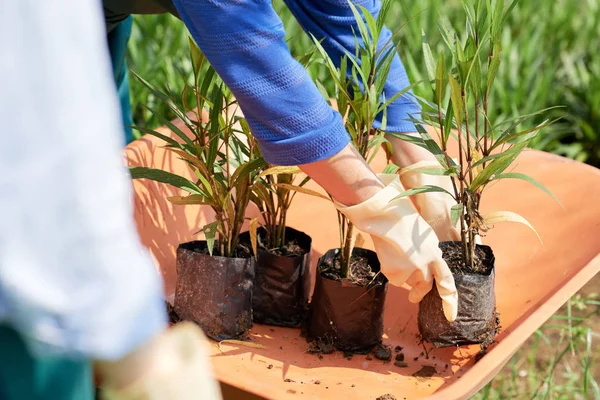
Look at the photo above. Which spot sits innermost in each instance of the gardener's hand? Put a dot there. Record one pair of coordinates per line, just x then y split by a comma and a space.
434, 207
172, 366
406, 245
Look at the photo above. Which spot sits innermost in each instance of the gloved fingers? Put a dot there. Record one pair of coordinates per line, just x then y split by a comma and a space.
419, 291
446, 288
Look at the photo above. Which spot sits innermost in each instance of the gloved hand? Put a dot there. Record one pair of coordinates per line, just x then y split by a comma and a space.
174, 365
406, 245
434, 207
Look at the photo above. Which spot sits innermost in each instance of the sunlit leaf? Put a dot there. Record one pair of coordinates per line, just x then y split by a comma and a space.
429, 61
508, 216
169, 178
497, 166
193, 199
301, 190
421, 189
254, 235
281, 170
390, 169
516, 175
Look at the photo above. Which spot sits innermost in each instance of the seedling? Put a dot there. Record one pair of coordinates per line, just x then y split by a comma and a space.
461, 91
224, 159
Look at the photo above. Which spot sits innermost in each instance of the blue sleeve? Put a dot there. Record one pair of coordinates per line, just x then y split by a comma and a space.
244, 42
333, 21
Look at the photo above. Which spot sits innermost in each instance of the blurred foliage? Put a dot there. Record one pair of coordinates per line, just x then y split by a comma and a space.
551, 57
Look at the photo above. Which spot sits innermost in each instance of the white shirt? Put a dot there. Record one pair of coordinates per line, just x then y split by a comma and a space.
74, 278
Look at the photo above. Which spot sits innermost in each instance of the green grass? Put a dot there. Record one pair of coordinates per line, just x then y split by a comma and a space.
550, 52
551, 57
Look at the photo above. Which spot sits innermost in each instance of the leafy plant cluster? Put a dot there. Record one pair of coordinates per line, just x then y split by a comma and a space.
461, 88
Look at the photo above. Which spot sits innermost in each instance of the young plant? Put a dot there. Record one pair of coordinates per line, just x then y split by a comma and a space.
224, 159
273, 194
359, 94
462, 88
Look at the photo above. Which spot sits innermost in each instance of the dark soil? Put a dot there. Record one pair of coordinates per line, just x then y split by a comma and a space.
426, 372
360, 270
383, 352
321, 346
454, 258
291, 248
387, 397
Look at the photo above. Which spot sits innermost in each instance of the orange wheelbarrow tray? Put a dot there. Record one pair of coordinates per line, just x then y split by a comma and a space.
534, 279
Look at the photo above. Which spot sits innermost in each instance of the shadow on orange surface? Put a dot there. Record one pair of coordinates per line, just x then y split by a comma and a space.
533, 280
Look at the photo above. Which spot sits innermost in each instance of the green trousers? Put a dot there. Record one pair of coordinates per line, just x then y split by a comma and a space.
117, 44
23, 377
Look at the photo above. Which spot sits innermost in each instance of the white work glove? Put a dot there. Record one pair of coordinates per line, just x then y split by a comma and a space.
434, 207
175, 365
406, 245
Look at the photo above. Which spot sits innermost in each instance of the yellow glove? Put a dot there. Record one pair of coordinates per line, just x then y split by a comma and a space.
406, 245
173, 366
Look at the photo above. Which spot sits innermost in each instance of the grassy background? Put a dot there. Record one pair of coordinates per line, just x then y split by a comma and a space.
551, 57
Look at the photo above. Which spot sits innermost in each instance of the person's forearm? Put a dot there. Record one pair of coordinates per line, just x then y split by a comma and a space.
405, 154
345, 176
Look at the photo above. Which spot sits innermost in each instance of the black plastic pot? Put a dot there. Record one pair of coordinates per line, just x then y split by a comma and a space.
214, 292
346, 315
477, 321
281, 283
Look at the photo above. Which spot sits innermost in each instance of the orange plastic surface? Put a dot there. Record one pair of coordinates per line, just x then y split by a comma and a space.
533, 280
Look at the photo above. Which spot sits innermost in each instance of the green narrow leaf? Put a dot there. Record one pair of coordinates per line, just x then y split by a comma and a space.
493, 69
390, 169
448, 122
440, 83
495, 167
373, 27
429, 61
529, 133
456, 98
434, 148
210, 233
192, 199
527, 178
455, 212
421, 189
246, 169
198, 57
169, 178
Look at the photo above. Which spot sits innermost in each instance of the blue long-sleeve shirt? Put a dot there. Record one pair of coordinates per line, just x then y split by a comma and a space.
244, 41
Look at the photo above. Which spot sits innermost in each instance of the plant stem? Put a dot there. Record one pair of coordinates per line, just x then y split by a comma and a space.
347, 249
469, 149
